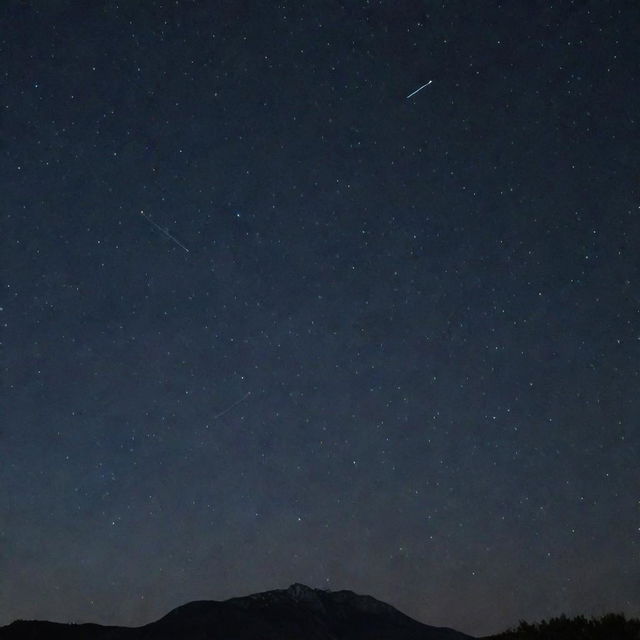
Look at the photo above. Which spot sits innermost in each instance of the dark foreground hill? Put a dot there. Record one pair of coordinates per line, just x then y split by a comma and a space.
296, 613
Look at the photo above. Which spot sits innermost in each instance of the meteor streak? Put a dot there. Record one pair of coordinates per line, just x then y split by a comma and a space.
419, 89
163, 231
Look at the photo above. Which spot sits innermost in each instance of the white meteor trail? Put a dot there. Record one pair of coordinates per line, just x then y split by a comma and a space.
163, 231
233, 406
419, 89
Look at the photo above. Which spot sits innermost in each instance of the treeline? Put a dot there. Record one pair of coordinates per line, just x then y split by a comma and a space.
613, 626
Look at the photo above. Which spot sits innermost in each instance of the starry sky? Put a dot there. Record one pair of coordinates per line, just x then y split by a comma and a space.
267, 320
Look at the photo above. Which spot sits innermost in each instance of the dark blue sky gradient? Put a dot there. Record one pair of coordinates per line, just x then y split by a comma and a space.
402, 352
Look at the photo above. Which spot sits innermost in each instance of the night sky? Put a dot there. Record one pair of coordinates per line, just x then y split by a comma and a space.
267, 320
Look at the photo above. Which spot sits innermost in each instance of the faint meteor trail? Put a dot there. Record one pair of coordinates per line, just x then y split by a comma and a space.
163, 231
235, 404
419, 89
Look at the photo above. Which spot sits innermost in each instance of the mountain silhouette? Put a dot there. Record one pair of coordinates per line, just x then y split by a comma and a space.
296, 613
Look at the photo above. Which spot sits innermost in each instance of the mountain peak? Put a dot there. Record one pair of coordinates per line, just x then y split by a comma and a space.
297, 594
302, 593
282, 614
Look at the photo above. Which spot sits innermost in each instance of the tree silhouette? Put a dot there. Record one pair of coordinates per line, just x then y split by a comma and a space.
612, 626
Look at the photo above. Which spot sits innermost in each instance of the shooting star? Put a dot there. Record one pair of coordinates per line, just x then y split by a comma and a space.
163, 231
233, 406
419, 89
